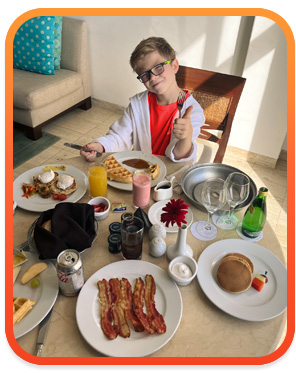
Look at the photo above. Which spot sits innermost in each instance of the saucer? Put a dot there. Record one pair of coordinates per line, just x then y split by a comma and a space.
155, 212
239, 232
193, 230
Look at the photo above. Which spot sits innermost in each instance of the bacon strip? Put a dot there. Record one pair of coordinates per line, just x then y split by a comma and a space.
127, 304
118, 312
138, 301
107, 316
157, 320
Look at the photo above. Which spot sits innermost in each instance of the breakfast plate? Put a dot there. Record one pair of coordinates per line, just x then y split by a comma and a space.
150, 158
250, 305
38, 204
44, 295
155, 212
168, 302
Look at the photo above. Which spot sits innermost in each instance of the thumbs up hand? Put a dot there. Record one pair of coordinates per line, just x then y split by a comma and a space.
182, 128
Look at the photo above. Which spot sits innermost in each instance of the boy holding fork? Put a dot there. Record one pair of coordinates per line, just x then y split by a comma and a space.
151, 122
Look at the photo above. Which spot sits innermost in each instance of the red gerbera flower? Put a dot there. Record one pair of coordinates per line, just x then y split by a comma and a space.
175, 212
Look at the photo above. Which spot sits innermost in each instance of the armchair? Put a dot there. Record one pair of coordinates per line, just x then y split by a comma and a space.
38, 98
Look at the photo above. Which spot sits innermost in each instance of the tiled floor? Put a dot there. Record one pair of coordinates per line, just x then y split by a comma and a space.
82, 127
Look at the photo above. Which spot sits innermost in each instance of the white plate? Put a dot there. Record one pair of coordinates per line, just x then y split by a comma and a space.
167, 299
156, 210
150, 158
44, 296
39, 204
250, 305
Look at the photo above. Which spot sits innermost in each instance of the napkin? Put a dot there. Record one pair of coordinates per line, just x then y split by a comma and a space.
141, 214
72, 227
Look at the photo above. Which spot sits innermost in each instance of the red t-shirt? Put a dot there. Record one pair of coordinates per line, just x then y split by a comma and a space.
161, 123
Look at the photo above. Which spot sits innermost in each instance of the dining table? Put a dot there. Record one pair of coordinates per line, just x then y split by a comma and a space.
205, 330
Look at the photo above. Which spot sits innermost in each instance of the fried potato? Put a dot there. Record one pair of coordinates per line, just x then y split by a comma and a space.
33, 271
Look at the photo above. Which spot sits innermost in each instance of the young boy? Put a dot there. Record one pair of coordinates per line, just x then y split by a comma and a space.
151, 122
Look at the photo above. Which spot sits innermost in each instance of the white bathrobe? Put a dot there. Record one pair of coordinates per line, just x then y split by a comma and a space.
132, 130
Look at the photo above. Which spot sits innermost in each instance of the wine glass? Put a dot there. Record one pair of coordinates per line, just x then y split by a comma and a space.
213, 196
237, 191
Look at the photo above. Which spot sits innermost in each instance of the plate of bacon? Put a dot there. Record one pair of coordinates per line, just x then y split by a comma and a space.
129, 309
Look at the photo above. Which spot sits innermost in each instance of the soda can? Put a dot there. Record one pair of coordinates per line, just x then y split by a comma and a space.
70, 272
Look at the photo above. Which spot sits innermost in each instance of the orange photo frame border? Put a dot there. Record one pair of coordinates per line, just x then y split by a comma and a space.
290, 183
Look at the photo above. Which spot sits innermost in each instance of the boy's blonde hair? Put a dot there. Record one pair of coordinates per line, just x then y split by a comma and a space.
150, 45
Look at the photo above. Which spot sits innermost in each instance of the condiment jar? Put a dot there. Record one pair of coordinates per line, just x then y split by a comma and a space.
157, 230
157, 247
114, 243
180, 279
115, 228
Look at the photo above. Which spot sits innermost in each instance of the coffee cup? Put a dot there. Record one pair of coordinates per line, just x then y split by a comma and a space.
163, 190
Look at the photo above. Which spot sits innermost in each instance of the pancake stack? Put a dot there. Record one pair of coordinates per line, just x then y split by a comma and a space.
235, 273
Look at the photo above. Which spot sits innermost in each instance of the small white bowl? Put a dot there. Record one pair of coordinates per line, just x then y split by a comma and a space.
97, 201
190, 262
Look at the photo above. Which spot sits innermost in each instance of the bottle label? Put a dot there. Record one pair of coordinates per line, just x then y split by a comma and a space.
252, 210
249, 234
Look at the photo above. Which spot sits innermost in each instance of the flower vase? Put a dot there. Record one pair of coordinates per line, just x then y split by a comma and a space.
180, 247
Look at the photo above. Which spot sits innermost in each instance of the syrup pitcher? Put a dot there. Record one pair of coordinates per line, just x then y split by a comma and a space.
164, 190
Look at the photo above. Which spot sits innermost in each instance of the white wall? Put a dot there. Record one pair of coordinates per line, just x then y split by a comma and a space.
203, 42
261, 120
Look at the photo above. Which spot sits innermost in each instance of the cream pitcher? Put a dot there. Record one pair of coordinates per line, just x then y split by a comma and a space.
164, 190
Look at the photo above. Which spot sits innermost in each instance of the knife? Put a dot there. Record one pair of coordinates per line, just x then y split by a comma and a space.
75, 146
43, 327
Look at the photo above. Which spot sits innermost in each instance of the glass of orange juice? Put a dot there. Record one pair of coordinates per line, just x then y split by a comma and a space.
97, 176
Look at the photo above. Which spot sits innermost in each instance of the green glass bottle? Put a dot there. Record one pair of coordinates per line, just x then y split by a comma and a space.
255, 216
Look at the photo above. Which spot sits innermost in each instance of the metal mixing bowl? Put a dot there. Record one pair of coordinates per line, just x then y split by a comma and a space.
193, 178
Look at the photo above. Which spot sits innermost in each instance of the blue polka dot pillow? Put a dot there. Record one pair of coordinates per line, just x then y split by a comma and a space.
33, 46
58, 25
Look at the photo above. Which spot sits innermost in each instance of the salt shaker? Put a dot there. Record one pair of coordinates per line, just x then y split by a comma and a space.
157, 230
157, 247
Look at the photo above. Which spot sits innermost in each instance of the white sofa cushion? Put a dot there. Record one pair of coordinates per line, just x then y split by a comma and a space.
31, 91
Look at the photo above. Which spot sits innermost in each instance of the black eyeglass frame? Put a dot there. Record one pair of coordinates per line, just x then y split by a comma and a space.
149, 72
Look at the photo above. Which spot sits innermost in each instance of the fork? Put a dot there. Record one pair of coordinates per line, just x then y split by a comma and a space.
180, 102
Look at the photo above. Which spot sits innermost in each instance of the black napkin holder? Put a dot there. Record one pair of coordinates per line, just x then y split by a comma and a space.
72, 227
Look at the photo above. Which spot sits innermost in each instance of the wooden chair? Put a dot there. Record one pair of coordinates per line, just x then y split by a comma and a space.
218, 94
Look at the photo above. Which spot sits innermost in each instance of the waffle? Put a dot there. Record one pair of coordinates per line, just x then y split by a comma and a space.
20, 308
116, 172
154, 170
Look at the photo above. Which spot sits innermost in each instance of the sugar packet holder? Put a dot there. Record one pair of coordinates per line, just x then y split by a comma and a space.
118, 206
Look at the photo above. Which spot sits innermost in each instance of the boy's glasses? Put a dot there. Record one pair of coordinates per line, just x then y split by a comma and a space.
156, 70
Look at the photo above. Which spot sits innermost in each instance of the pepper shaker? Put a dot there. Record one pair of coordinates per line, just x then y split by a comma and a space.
157, 230
157, 247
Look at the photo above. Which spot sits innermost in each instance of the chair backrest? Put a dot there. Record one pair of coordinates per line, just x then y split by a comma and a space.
75, 51
218, 94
